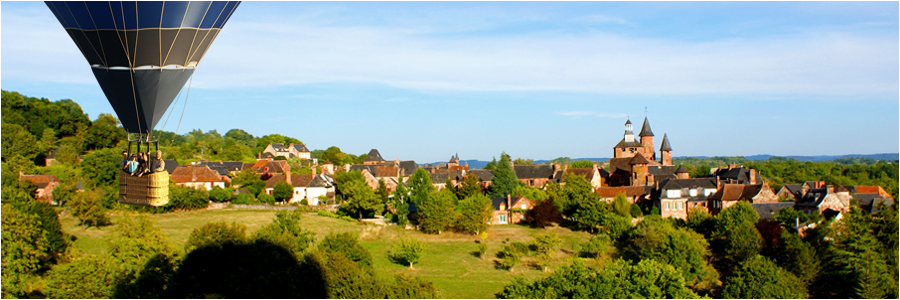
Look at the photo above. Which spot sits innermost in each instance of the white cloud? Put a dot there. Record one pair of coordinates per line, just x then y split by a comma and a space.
263, 51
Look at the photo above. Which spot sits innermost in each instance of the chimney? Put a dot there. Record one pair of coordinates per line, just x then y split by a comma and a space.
313, 170
21, 174
287, 176
220, 161
258, 155
396, 161
829, 189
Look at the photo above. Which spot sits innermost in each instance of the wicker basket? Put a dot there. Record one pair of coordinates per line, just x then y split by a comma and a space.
148, 190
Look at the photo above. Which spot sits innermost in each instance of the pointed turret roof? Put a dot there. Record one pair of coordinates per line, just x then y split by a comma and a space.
665, 144
374, 156
645, 129
681, 169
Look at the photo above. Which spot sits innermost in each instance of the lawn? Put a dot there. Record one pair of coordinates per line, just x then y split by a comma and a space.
449, 261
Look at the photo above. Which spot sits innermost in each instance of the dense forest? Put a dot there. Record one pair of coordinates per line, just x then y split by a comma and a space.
632, 252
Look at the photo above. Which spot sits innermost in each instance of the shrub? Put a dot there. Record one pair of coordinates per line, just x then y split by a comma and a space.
266, 198
325, 213
244, 199
408, 250
596, 246
482, 249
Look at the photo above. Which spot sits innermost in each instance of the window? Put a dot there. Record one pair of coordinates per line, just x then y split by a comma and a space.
693, 193
680, 206
502, 219
673, 194
523, 205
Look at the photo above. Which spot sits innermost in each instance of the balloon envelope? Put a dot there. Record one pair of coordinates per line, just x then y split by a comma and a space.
142, 53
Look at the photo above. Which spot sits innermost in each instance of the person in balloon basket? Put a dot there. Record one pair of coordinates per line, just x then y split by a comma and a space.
158, 164
124, 161
132, 166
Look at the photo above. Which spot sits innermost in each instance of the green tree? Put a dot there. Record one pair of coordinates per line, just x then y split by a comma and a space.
334, 155
576, 193
282, 191
475, 213
469, 187
285, 231
263, 197
504, 180
420, 187
790, 217
88, 208
546, 245
348, 245
656, 238
760, 278
84, 278
735, 236
100, 168
511, 257
134, 242
798, 257
104, 132
618, 280
216, 234
596, 246
408, 251
17, 141
360, 199
241, 136
533, 193
250, 180
621, 206
24, 250
219, 195
581, 164
401, 207
699, 220
382, 193
437, 212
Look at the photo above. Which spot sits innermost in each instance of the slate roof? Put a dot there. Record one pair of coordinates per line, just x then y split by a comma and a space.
639, 159
318, 182
183, 174
681, 169
645, 129
171, 164
439, 178
623, 163
409, 167
812, 198
279, 147
495, 202
533, 171
766, 211
665, 144
740, 174
374, 156
483, 175
301, 148
628, 144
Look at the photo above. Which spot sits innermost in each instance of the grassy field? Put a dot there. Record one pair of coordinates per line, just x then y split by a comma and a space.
449, 261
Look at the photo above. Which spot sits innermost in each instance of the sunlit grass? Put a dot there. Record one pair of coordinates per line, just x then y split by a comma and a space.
449, 261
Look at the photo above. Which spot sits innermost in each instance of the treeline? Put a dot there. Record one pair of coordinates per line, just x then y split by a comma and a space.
731, 255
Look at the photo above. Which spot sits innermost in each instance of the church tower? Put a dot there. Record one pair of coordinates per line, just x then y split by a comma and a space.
647, 140
629, 134
665, 150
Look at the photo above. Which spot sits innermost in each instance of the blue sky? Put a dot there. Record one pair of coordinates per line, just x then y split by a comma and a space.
425, 80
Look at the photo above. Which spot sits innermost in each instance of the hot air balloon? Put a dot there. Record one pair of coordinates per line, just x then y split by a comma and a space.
142, 54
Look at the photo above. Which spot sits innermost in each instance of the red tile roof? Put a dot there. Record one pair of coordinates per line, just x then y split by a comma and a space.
41, 181
183, 174
629, 191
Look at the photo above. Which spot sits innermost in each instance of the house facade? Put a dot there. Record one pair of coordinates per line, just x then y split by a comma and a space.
197, 177
510, 209
44, 185
289, 151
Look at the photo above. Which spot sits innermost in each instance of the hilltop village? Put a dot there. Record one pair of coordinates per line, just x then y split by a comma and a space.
637, 171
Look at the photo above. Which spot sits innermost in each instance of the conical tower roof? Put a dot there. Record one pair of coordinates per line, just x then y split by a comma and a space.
645, 129
665, 144
374, 155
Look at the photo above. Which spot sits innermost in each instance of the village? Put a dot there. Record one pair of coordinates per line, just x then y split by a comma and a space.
635, 171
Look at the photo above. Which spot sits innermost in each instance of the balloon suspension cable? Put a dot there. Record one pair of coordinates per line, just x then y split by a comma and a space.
185, 103
178, 97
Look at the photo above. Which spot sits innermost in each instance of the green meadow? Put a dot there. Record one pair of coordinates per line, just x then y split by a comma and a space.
450, 260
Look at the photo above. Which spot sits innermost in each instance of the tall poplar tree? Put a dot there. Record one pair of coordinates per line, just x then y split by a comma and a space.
504, 180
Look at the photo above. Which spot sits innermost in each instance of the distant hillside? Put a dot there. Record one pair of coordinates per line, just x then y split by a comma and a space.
479, 164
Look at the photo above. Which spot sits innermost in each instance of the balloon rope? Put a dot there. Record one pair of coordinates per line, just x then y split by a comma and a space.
131, 70
185, 104
170, 113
